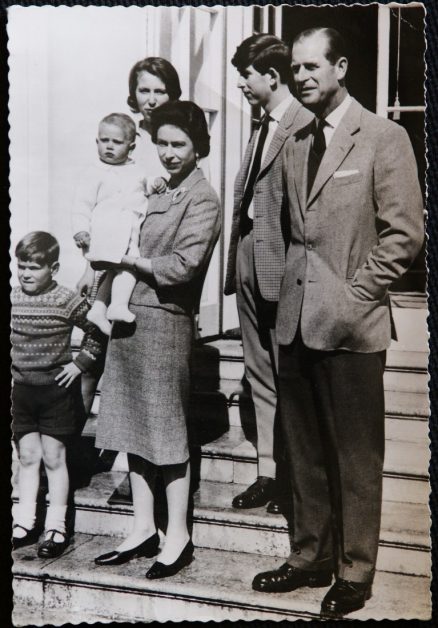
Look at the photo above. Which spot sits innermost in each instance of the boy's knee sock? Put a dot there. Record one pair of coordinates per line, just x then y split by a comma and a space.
55, 520
24, 514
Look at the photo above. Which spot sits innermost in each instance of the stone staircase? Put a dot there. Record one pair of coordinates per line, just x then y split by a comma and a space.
231, 545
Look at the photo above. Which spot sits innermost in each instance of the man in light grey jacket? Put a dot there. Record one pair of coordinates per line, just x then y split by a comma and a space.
356, 217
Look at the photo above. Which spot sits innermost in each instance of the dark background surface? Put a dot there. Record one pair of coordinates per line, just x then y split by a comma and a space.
365, 73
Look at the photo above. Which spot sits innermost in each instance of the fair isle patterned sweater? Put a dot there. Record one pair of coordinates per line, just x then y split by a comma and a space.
42, 326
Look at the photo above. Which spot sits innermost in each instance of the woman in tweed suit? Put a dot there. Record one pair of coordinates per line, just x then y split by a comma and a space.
146, 381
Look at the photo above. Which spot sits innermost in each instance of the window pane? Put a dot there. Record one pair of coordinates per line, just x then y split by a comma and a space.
412, 49
415, 278
413, 122
411, 92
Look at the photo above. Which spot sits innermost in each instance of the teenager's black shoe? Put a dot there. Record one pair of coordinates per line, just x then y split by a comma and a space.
146, 549
345, 597
288, 578
258, 494
51, 548
160, 570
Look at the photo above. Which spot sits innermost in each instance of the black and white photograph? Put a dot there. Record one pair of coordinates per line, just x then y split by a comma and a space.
233, 348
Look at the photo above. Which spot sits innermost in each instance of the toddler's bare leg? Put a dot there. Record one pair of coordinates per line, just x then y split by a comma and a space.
123, 285
98, 311
124, 282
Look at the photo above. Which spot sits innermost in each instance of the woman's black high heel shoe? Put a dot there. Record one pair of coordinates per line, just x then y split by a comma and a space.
160, 570
146, 549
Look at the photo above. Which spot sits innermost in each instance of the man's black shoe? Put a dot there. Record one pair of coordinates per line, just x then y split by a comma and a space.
288, 578
258, 494
345, 597
280, 505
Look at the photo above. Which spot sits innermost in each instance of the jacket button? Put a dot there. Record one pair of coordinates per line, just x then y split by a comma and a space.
309, 247
299, 282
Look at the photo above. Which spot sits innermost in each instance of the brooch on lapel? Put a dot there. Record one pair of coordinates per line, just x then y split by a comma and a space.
176, 194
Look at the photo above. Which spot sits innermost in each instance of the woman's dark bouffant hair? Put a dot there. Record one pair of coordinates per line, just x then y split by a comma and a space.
186, 116
158, 67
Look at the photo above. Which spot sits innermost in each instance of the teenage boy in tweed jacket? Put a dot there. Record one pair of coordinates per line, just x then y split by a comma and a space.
46, 396
259, 241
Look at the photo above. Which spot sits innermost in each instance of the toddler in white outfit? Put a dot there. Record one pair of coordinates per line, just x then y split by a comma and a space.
109, 208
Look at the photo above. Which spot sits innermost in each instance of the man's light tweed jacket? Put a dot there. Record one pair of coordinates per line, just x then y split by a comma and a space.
357, 232
269, 209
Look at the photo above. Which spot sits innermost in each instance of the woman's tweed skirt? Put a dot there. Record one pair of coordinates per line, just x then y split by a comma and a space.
145, 388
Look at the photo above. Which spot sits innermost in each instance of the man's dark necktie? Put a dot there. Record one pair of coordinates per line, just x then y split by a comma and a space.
245, 220
316, 154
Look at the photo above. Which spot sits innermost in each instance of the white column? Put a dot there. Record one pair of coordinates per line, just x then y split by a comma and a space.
152, 31
28, 119
278, 25
383, 29
237, 132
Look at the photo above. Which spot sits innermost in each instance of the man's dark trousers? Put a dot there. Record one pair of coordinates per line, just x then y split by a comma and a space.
332, 410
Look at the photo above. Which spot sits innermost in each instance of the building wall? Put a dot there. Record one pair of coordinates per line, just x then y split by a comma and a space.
69, 67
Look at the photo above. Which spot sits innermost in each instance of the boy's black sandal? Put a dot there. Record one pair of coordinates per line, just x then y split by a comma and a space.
29, 538
51, 548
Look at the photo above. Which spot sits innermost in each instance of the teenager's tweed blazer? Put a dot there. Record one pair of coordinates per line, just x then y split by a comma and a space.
358, 231
271, 238
179, 234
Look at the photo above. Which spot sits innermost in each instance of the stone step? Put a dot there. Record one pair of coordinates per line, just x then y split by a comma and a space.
402, 458
406, 381
405, 404
216, 586
397, 403
222, 402
225, 404
406, 370
398, 357
223, 360
416, 361
232, 458
404, 543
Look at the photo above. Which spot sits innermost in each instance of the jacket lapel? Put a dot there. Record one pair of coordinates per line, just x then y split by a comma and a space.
166, 201
340, 145
301, 149
281, 134
239, 186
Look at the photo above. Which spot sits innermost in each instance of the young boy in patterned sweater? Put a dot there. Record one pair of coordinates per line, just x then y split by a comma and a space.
46, 395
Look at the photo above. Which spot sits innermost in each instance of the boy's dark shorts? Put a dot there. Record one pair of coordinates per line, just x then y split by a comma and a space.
48, 409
